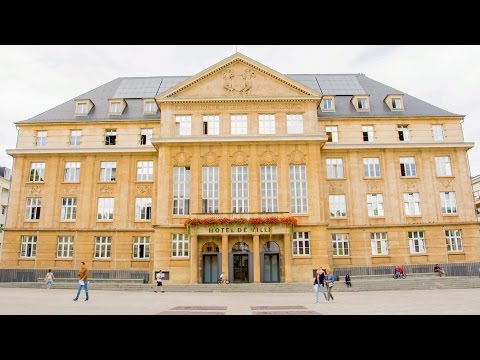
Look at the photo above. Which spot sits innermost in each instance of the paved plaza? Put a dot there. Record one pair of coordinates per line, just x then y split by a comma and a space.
18, 301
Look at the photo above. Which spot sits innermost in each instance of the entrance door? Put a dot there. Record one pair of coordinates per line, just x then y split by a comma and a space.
240, 268
210, 269
271, 268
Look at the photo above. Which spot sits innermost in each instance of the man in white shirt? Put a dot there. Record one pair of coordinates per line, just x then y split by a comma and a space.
159, 277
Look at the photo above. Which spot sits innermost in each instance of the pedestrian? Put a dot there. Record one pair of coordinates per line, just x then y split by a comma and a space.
439, 270
329, 280
49, 278
159, 277
82, 281
348, 281
318, 284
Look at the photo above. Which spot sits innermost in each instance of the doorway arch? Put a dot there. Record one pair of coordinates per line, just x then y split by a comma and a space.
270, 262
211, 263
240, 263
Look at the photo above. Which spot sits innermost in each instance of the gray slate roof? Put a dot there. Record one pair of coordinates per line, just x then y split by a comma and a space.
343, 86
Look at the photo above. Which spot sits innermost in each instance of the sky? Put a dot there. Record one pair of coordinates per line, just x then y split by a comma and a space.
35, 78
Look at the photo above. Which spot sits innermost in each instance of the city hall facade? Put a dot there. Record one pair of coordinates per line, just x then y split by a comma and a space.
243, 170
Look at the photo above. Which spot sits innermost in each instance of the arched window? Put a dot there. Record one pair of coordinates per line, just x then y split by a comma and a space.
240, 247
210, 247
271, 246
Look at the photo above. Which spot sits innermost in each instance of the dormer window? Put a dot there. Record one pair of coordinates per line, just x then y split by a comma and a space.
361, 103
394, 102
397, 103
327, 104
83, 107
149, 106
116, 107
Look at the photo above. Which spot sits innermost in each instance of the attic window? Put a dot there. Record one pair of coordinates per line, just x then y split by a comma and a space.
362, 103
83, 107
149, 107
397, 103
328, 104
115, 108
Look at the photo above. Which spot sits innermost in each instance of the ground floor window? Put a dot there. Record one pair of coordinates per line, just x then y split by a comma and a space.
103, 245
340, 245
179, 245
417, 242
141, 247
454, 240
64, 246
300, 243
28, 248
379, 243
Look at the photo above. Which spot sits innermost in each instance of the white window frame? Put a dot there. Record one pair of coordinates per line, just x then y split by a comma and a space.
301, 243
210, 189
37, 172
438, 132
294, 123
453, 240
41, 139
105, 208
68, 209
340, 244
110, 137
75, 137
150, 107
81, 108
183, 125
403, 133
143, 208
269, 188
448, 202
337, 206
72, 171
146, 136
443, 166
332, 133
115, 108
416, 240
33, 208
211, 125
327, 104
238, 124
266, 124
375, 205
363, 104
64, 247
108, 171
298, 189
335, 168
379, 243
180, 246
239, 189
181, 191
371, 167
28, 246
141, 244
397, 103
103, 247
368, 133
411, 204
145, 170
408, 168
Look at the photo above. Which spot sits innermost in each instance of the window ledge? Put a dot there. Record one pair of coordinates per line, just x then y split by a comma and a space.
32, 221
450, 215
27, 258
419, 254
70, 182
376, 217
409, 177
64, 258
68, 221
36, 182
143, 221
413, 216
342, 256
180, 257
106, 259
373, 178
381, 256
141, 260
456, 252
446, 176
143, 181
105, 221
343, 178
107, 182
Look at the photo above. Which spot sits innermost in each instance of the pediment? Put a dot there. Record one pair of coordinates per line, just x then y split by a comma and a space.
238, 77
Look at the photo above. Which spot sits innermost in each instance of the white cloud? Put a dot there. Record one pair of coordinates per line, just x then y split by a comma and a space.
36, 78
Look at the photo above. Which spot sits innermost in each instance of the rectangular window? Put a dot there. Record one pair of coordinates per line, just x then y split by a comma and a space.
75, 137
437, 132
32, 209
181, 190
416, 240
81, 109
327, 104
454, 240
110, 136
268, 188
375, 205
115, 108
238, 124
179, 245
37, 172
103, 245
143, 208
332, 133
403, 134
442, 165
449, 202
367, 132
298, 189
210, 189
150, 107
338, 208
240, 189
72, 172
141, 247
340, 245
397, 104
183, 125
64, 246
411, 203
334, 169
146, 136
362, 103
41, 138
379, 243
28, 247
371, 167
105, 209
300, 244
408, 167
266, 124
144, 170
108, 171
211, 125
69, 209
294, 124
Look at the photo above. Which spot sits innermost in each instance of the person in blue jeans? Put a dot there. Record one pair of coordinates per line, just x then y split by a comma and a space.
318, 284
82, 281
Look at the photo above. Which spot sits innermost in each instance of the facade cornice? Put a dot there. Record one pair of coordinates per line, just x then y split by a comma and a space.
316, 99
395, 116
399, 146
36, 151
83, 122
404, 225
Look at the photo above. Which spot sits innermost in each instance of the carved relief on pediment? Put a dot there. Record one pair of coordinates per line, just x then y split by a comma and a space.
239, 158
268, 158
182, 159
210, 159
296, 157
238, 83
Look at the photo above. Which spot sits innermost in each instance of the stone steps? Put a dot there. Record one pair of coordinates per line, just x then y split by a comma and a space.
363, 284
